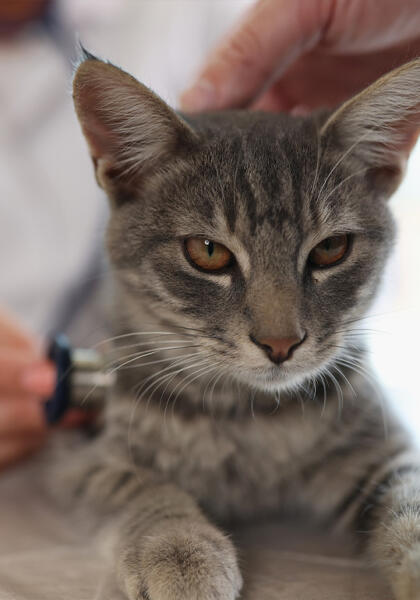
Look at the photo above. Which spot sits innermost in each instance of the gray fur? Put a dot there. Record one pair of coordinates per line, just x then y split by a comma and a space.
202, 428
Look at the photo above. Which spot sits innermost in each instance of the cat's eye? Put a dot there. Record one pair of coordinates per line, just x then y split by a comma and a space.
330, 251
208, 255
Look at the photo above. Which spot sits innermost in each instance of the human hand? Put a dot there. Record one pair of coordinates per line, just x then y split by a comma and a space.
304, 54
25, 378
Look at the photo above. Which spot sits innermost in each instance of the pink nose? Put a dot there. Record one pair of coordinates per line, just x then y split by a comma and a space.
279, 350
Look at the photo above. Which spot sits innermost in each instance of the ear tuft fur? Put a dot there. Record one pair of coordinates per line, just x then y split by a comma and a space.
82, 54
85, 54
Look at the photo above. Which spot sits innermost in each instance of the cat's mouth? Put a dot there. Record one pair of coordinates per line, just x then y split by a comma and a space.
288, 376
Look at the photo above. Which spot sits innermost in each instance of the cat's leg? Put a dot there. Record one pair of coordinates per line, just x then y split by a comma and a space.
367, 480
390, 517
162, 546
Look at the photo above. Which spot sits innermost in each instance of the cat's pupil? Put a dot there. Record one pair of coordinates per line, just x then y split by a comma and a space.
210, 247
332, 244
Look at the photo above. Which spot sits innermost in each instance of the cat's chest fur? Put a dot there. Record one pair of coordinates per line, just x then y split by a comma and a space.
235, 467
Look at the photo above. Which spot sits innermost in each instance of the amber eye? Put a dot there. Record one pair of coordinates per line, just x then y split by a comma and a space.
208, 255
329, 251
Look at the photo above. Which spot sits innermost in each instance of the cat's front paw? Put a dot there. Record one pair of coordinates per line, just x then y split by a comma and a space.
406, 579
185, 564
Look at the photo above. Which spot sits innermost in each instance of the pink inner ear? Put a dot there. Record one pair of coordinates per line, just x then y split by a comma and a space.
102, 142
89, 97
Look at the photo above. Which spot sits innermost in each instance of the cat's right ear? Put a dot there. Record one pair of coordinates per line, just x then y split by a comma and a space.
380, 126
129, 129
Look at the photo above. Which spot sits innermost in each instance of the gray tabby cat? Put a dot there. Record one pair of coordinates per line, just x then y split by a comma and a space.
246, 248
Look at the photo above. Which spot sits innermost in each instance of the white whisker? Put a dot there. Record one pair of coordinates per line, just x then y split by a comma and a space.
204, 371
130, 358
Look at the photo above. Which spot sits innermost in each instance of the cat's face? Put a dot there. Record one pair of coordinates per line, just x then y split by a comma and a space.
264, 235
251, 186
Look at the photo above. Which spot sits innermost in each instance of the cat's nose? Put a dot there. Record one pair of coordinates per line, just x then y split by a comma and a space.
279, 350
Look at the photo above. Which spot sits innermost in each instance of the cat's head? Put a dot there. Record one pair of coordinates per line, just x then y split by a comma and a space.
264, 234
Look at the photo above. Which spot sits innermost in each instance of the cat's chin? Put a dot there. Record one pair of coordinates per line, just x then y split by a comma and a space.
275, 379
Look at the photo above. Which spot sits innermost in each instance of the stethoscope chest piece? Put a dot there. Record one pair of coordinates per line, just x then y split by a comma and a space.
81, 381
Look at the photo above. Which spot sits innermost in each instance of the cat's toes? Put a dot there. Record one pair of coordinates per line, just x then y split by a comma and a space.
188, 565
406, 580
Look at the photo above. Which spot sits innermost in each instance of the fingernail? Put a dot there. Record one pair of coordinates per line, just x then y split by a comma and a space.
200, 96
39, 379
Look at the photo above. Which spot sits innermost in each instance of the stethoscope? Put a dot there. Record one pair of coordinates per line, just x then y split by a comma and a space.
81, 381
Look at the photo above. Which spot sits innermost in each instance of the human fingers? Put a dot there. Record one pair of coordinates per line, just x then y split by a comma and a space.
13, 334
19, 373
319, 79
270, 37
278, 36
20, 415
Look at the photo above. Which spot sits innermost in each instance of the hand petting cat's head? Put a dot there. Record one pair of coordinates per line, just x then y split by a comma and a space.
265, 234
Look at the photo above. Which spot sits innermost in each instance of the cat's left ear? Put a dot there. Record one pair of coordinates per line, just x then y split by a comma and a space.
380, 125
130, 131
